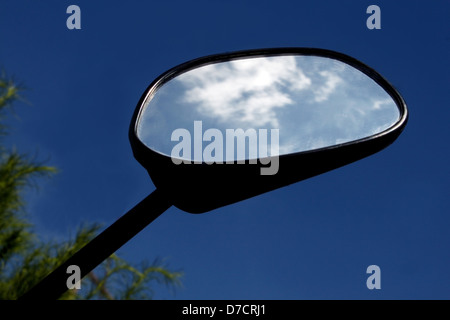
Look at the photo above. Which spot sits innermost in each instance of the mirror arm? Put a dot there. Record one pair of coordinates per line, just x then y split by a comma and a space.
101, 247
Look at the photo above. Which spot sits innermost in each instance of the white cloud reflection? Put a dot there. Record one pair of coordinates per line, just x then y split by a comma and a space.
315, 102
324, 91
248, 90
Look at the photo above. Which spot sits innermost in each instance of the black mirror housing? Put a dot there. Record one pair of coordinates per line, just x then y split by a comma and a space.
198, 188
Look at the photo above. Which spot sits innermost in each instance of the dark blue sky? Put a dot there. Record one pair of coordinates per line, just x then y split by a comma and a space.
311, 240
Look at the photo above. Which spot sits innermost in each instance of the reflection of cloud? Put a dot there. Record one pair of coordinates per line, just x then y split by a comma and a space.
247, 90
331, 81
314, 101
377, 104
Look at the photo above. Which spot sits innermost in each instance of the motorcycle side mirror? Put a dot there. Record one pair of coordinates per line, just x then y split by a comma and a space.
223, 128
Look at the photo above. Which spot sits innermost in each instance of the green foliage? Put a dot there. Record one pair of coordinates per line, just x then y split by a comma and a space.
127, 282
25, 259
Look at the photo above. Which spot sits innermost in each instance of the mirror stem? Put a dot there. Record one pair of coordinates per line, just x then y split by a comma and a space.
101, 247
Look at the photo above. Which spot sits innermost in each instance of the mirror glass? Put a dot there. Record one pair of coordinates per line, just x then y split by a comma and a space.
273, 105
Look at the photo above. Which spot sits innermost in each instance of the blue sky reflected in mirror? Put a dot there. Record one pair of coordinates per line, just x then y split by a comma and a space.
315, 102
